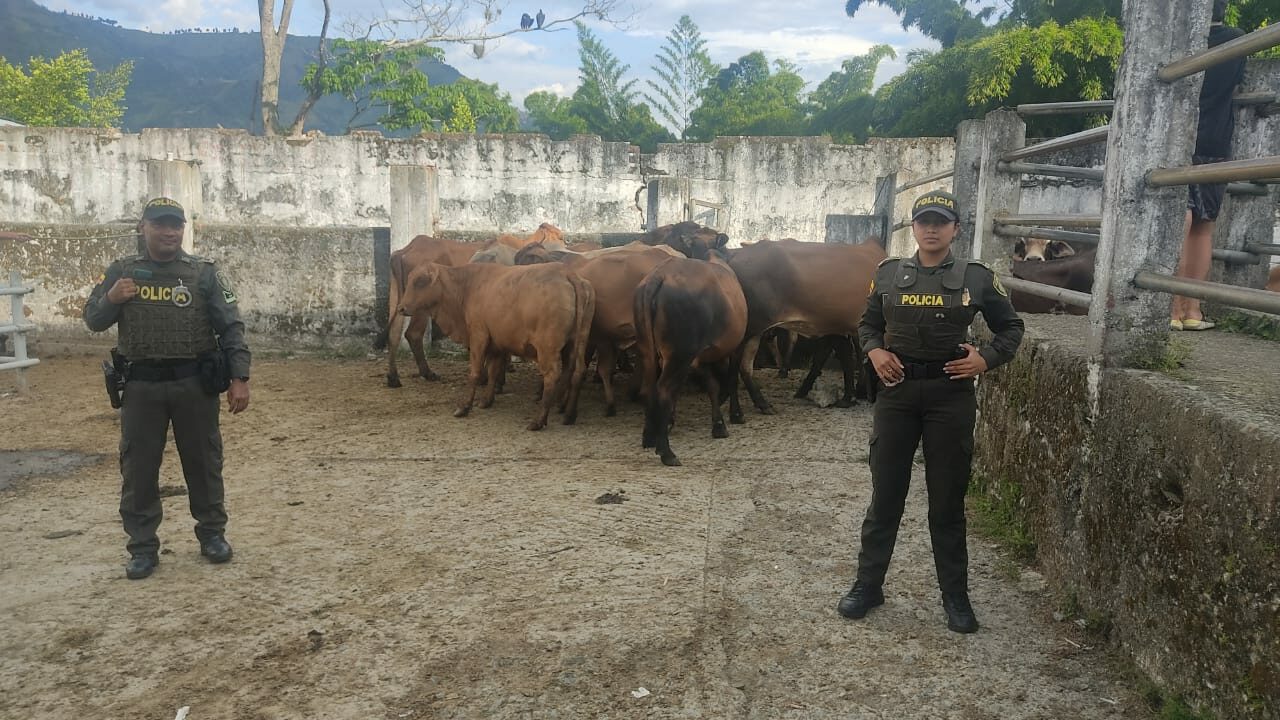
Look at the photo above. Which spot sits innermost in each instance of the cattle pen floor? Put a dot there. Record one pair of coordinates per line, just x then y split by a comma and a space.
395, 562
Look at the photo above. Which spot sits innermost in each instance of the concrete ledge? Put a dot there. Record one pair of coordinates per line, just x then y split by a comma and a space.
1161, 515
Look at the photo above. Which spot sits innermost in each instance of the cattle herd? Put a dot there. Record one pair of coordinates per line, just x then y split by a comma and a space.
678, 300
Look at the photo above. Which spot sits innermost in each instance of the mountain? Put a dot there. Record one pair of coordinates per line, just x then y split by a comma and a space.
187, 79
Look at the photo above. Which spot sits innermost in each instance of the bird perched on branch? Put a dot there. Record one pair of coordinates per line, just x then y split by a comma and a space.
526, 22
540, 18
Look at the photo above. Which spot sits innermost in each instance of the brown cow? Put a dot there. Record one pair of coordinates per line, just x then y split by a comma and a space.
814, 289
541, 312
1273, 282
690, 238
1074, 272
614, 273
690, 316
420, 251
1039, 249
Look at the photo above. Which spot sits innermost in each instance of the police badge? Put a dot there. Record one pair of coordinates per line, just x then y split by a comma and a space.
181, 295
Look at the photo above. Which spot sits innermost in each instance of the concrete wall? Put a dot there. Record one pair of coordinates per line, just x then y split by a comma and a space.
1162, 516
304, 288
772, 187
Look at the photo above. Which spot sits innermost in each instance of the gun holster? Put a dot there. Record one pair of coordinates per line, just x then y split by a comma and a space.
215, 372
114, 374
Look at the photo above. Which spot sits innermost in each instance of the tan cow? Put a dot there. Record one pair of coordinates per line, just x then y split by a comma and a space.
614, 273
1041, 250
815, 289
1273, 282
540, 312
420, 251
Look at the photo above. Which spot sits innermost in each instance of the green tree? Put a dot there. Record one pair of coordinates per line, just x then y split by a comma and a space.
842, 105
746, 98
460, 117
66, 91
606, 102
684, 68
947, 21
553, 115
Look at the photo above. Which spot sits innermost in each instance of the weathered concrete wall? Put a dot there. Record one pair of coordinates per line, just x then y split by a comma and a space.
1162, 516
773, 187
309, 288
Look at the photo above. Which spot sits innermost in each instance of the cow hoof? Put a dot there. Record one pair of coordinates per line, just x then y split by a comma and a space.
783, 374
536, 425
429, 375
502, 390
571, 418
842, 403
800, 395
737, 419
461, 412
670, 460
719, 431
768, 410
485, 404
393, 381
610, 410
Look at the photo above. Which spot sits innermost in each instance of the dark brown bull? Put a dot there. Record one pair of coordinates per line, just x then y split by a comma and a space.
815, 289
690, 316
1039, 249
542, 312
1074, 272
689, 238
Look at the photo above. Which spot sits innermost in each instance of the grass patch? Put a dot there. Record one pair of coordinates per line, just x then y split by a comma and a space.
1261, 326
1167, 706
1173, 361
997, 512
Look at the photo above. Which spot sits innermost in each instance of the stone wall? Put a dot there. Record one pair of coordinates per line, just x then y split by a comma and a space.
1161, 516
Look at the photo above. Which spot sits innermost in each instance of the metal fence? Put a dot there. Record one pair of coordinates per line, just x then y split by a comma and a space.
1249, 178
17, 328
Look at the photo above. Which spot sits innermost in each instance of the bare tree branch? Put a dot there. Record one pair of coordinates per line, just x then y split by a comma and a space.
313, 93
428, 22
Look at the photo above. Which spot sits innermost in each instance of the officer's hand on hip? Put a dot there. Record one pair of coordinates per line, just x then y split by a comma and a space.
238, 396
969, 366
122, 291
887, 365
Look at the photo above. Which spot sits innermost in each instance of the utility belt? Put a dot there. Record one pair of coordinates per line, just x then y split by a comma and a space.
922, 370
161, 370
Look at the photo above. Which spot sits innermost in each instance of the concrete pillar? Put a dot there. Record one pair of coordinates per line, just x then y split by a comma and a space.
999, 193
853, 229
1153, 125
179, 180
970, 136
884, 207
1248, 218
668, 200
415, 203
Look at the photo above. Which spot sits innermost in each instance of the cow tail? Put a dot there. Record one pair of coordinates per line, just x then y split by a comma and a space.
397, 280
644, 307
585, 310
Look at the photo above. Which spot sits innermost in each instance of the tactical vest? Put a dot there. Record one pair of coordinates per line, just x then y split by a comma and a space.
927, 315
167, 318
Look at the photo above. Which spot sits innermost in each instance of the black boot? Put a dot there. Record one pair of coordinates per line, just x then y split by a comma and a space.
141, 565
860, 598
960, 617
216, 548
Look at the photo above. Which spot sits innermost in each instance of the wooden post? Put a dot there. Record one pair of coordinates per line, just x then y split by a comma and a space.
969, 143
1248, 218
179, 180
415, 203
999, 193
886, 198
1153, 125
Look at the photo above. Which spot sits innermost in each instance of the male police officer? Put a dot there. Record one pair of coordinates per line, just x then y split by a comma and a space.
915, 334
175, 313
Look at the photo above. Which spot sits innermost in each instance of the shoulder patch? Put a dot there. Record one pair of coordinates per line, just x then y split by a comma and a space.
224, 283
887, 260
983, 264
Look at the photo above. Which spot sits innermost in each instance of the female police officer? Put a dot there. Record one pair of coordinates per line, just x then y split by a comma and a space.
914, 333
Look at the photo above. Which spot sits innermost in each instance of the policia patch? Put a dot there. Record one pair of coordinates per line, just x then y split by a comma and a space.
927, 300
228, 294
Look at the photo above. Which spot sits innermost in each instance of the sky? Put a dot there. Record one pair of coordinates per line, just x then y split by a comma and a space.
815, 35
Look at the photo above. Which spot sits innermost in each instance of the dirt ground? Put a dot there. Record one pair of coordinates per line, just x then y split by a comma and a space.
395, 562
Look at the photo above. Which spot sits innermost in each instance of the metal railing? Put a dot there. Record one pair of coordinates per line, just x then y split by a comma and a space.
940, 175
1052, 292
1223, 172
1247, 298
1084, 137
1081, 173
1079, 107
1054, 220
17, 329
1237, 257
1260, 39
